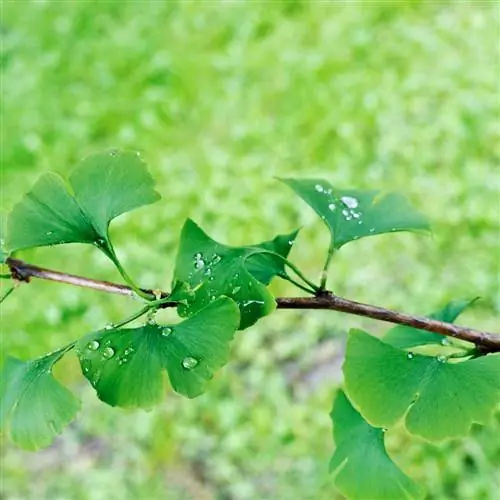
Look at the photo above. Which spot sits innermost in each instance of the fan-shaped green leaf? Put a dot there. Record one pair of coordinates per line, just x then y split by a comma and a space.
351, 214
362, 467
441, 398
265, 266
215, 270
103, 186
33, 405
405, 336
125, 365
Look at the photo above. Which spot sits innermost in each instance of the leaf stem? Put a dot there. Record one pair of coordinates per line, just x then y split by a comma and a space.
7, 293
296, 283
108, 249
324, 272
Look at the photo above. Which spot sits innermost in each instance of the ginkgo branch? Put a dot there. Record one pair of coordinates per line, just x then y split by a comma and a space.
484, 341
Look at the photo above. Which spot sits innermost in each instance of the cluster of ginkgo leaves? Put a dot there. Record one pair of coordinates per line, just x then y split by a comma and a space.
439, 387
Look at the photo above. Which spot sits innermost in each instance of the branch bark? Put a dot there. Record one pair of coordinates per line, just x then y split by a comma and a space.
484, 341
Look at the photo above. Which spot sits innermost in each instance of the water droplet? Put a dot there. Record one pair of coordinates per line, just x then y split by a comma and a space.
208, 271
86, 369
216, 259
199, 264
372, 230
445, 341
166, 331
93, 345
113, 152
128, 350
441, 359
319, 188
108, 352
291, 242
332, 207
108, 327
189, 363
48, 233
236, 289
211, 278
410, 355
349, 201
384, 430
356, 215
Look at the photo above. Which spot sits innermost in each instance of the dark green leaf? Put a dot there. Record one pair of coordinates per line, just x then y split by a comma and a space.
405, 336
125, 366
214, 270
33, 404
441, 399
351, 214
360, 462
264, 266
103, 186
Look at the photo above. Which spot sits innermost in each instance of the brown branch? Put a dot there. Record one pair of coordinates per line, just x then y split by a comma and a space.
485, 342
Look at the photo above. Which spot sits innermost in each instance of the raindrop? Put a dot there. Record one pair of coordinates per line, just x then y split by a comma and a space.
410, 355
445, 341
384, 430
331, 207
319, 188
372, 230
349, 201
108, 327
93, 345
199, 264
236, 289
48, 233
166, 331
441, 359
216, 259
108, 352
189, 363
113, 152
128, 350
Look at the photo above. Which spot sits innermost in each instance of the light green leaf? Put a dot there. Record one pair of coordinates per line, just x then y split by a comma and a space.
406, 336
125, 365
103, 186
363, 469
441, 399
33, 405
265, 266
214, 270
351, 214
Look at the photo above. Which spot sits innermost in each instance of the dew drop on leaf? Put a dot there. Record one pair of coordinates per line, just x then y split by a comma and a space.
165, 331
441, 359
319, 188
410, 355
349, 201
331, 207
108, 352
93, 345
189, 363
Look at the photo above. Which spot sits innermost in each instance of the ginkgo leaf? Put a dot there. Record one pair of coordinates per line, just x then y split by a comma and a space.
405, 336
362, 467
213, 270
351, 214
103, 186
33, 405
441, 399
265, 266
125, 366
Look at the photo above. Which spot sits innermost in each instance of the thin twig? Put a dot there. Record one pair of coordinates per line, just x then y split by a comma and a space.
485, 342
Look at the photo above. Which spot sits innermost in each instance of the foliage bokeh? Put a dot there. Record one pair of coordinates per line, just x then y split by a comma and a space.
220, 98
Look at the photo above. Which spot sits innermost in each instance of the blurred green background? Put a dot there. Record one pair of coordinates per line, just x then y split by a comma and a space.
220, 97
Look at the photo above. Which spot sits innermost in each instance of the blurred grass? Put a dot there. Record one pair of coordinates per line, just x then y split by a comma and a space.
220, 97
